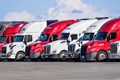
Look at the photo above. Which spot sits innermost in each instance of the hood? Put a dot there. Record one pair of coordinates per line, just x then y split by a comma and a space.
93, 42
38, 43
58, 42
14, 43
84, 42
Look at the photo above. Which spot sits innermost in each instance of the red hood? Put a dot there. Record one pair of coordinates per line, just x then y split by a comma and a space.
94, 45
37, 46
38, 43
94, 41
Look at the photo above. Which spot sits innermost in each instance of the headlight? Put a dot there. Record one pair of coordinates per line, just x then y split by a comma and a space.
9, 53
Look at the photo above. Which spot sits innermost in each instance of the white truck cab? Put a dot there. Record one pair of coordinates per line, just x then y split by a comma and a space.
28, 34
57, 49
89, 34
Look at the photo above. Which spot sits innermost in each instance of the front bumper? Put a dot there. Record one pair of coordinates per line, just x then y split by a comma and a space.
89, 57
50, 56
3, 56
34, 56
114, 56
73, 55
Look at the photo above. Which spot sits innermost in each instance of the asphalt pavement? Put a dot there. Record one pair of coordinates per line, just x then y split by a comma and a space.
59, 70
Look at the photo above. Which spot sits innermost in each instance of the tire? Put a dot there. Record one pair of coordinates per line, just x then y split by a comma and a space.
62, 56
20, 56
101, 56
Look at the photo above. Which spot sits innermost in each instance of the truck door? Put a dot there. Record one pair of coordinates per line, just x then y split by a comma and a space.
74, 37
28, 38
111, 38
54, 38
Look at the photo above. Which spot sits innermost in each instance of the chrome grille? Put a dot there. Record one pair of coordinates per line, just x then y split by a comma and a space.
47, 49
71, 48
113, 48
83, 50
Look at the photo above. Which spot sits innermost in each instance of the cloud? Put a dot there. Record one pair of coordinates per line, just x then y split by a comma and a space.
64, 9
71, 9
19, 16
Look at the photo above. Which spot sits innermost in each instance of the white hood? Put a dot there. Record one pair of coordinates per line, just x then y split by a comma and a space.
57, 42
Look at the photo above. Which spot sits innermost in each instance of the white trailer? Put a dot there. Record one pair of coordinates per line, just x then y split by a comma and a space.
28, 34
58, 49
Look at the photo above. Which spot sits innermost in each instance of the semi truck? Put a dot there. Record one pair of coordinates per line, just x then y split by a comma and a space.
9, 33
99, 48
89, 34
50, 34
28, 34
58, 49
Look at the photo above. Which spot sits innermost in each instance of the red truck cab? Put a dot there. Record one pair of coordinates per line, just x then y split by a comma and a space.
9, 33
50, 33
98, 49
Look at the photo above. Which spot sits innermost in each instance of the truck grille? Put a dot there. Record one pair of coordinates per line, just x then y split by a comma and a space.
47, 49
113, 48
27, 50
4, 49
83, 50
71, 48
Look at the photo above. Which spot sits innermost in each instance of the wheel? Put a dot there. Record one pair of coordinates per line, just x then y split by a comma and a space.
63, 55
20, 56
101, 56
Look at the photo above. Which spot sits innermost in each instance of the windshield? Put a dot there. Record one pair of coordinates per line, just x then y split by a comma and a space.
43, 37
88, 36
64, 36
2, 38
101, 36
18, 38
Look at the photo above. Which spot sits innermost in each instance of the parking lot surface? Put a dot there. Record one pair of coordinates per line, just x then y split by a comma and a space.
59, 70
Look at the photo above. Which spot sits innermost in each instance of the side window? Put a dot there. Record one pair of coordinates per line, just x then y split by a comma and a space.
112, 35
54, 38
73, 37
28, 38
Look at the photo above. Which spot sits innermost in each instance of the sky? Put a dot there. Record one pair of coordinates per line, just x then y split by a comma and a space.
57, 9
